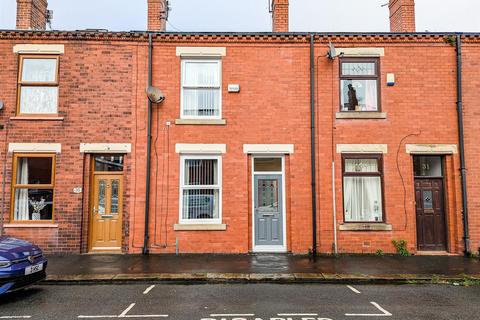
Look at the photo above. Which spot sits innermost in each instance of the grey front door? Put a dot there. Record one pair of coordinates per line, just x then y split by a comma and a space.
268, 210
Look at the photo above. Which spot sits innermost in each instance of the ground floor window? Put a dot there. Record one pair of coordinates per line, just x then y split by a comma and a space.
362, 188
200, 189
33, 187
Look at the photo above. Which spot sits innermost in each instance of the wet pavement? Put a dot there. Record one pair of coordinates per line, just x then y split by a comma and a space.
72, 265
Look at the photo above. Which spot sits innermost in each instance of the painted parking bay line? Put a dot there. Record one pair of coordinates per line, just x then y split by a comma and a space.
384, 313
15, 317
148, 289
232, 315
353, 289
125, 314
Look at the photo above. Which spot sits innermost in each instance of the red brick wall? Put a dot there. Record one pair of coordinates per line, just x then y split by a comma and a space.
402, 15
98, 81
471, 96
270, 109
422, 103
31, 14
102, 99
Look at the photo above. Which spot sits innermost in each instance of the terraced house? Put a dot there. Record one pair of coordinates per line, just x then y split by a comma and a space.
243, 142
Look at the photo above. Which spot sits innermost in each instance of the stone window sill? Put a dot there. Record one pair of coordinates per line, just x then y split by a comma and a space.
36, 118
361, 115
30, 225
365, 227
218, 122
200, 227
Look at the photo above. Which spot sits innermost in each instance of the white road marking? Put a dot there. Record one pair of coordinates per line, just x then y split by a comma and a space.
15, 317
97, 317
148, 289
384, 313
297, 314
232, 315
353, 289
124, 313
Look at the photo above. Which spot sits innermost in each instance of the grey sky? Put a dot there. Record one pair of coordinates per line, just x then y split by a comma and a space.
252, 15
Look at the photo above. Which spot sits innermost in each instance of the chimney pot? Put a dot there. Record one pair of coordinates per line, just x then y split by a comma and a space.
280, 13
157, 15
402, 15
32, 14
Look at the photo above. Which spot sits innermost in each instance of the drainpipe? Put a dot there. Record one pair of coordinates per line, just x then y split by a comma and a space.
466, 237
312, 128
149, 146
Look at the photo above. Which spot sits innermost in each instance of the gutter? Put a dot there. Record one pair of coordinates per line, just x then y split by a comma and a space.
463, 169
313, 162
149, 147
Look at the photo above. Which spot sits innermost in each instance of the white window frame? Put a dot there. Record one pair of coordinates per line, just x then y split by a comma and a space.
182, 187
182, 76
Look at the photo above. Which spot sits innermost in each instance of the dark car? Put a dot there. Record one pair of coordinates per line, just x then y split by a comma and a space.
21, 264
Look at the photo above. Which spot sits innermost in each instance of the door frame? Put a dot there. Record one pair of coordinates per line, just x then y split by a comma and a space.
270, 248
91, 194
443, 159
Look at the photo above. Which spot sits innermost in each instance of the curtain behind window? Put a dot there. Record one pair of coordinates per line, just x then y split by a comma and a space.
21, 195
362, 195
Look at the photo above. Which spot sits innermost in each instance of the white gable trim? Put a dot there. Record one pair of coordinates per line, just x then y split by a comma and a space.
362, 52
35, 147
105, 147
362, 148
189, 148
201, 51
39, 48
268, 148
432, 148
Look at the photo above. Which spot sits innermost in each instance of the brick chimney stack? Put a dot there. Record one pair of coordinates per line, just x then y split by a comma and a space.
157, 15
402, 15
280, 15
32, 14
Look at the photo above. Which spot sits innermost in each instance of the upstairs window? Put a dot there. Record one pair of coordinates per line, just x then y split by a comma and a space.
38, 85
33, 187
359, 84
362, 188
201, 95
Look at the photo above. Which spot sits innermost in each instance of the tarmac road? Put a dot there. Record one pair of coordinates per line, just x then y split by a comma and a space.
243, 302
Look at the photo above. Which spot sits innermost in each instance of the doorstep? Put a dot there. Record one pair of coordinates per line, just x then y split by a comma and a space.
436, 253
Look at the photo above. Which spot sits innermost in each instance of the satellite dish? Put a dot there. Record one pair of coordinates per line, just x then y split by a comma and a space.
332, 52
1, 104
155, 95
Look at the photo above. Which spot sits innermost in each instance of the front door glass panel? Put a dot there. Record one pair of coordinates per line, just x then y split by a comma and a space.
427, 199
114, 197
102, 188
268, 195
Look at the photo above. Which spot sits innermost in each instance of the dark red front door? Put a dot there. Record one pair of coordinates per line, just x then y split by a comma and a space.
431, 235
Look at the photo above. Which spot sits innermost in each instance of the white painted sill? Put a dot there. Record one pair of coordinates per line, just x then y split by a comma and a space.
365, 227
217, 122
361, 115
30, 225
200, 227
36, 118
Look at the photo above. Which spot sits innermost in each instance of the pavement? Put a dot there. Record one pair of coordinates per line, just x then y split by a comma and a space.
281, 268
250, 301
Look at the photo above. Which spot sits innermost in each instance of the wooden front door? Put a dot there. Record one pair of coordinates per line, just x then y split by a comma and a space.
431, 230
106, 213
